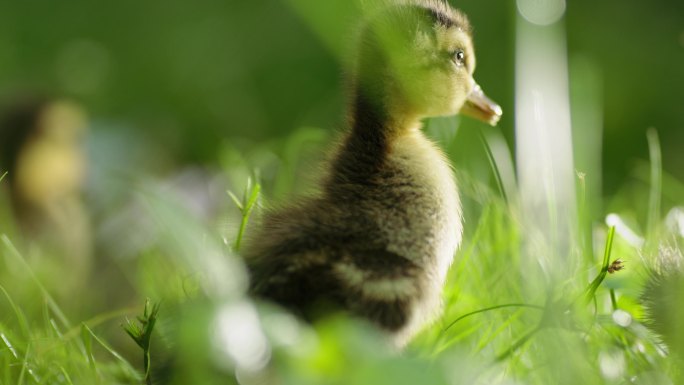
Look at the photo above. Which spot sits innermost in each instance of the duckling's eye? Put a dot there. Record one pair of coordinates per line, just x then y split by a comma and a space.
459, 57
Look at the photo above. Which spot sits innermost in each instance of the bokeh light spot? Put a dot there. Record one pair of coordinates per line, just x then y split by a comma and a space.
622, 318
238, 335
541, 12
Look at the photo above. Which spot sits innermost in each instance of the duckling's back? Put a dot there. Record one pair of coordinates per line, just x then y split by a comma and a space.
377, 242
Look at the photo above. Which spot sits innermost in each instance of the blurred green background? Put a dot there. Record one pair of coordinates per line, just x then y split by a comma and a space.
185, 99
194, 76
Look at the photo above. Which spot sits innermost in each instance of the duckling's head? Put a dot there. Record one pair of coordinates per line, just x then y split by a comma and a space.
41, 148
416, 60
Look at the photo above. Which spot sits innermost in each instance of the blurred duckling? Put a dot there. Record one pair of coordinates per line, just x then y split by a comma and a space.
379, 238
41, 149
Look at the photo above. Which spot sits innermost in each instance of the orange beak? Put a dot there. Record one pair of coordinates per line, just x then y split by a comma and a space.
480, 107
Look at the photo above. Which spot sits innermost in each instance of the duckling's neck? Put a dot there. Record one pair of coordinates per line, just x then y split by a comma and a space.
380, 117
374, 126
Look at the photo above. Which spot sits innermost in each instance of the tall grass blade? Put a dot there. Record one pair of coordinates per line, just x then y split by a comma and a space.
141, 333
23, 324
495, 168
51, 302
655, 192
109, 349
249, 201
492, 308
9, 346
594, 285
88, 343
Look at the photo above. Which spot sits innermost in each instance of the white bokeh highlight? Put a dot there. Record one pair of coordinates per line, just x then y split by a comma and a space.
239, 337
541, 12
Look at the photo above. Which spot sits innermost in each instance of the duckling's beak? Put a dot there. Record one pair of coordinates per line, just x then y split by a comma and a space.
480, 107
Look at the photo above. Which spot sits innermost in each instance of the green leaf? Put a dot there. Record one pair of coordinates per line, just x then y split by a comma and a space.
235, 200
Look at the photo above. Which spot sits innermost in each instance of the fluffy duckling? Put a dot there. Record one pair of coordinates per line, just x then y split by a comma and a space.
42, 151
379, 238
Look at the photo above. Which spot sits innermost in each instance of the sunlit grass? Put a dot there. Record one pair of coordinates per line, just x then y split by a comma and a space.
245, 205
41, 346
141, 333
492, 331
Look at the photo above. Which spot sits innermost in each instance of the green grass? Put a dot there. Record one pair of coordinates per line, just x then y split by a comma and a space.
587, 330
245, 205
503, 322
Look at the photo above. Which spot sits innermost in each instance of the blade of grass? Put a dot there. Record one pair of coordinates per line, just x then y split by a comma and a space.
142, 334
518, 344
23, 324
6, 360
442, 344
495, 168
235, 200
585, 226
25, 367
613, 299
66, 375
249, 200
108, 348
53, 304
655, 156
491, 308
88, 343
500, 328
594, 285
100, 319
9, 345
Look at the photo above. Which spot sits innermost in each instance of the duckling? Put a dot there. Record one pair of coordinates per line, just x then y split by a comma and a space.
378, 239
41, 150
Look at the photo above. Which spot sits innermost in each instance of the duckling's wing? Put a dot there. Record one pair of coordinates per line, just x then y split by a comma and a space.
375, 284
293, 279
379, 285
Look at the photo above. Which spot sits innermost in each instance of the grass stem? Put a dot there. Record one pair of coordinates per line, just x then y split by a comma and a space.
495, 168
518, 344
491, 308
245, 205
613, 299
142, 334
655, 156
48, 298
594, 285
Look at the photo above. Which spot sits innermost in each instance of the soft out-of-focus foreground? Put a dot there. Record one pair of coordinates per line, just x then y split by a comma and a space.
138, 141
